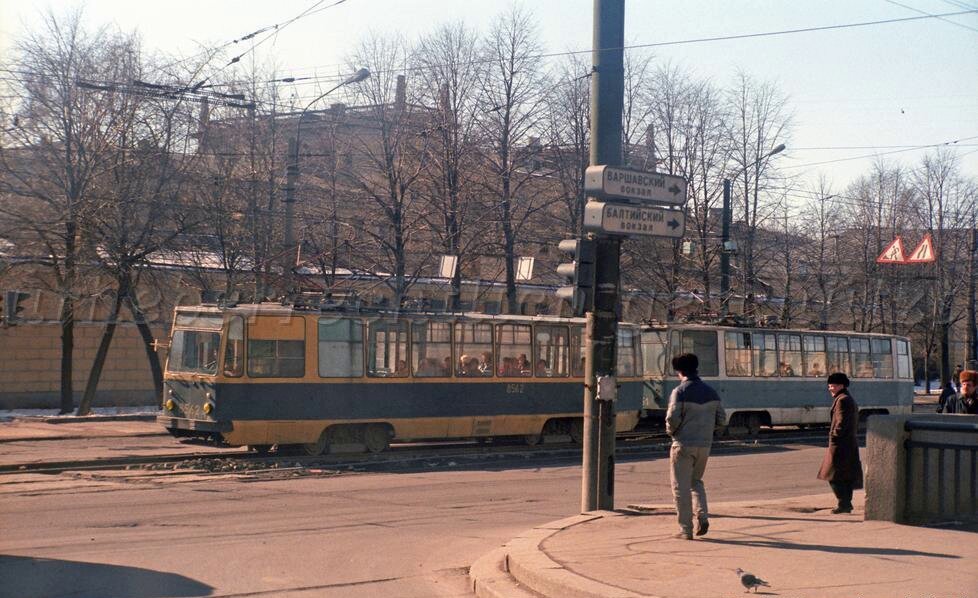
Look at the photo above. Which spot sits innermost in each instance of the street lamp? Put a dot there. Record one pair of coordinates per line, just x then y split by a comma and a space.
292, 170
726, 247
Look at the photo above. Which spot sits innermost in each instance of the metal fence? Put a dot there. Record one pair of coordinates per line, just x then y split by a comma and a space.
951, 449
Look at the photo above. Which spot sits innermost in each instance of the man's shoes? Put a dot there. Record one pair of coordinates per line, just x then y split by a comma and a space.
684, 536
840, 510
702, 528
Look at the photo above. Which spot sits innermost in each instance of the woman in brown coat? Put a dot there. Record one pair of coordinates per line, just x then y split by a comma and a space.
841, 467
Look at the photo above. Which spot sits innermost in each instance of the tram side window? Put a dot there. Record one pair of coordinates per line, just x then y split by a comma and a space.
626, 352
738, 352
765, 355
882, 352
340, 348
862, 361
653, 353
432, 349
703, 344
234, 348
577, 349
790, 364
814, 356
513, 344
837, 354
388, 349
552, 351
276, 347
903, 359
473, 345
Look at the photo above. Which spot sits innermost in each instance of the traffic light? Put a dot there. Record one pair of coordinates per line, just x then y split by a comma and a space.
578, 274
12, 306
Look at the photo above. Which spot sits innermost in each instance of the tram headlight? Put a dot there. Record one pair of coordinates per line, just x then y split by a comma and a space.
208, 407
169, 404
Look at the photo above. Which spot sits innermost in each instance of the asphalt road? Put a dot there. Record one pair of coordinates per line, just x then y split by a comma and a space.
319, 533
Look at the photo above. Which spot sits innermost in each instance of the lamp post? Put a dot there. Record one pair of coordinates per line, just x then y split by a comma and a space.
292, 173
725, 246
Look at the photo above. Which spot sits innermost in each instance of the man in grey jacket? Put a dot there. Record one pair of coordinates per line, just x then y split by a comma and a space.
694, 413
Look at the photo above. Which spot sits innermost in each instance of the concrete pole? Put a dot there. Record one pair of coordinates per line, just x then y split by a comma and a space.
724, 254
291, 181
607, 93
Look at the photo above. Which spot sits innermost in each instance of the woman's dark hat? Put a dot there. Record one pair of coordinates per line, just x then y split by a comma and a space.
839, 378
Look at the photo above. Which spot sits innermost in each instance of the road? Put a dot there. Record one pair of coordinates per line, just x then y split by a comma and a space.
318, 533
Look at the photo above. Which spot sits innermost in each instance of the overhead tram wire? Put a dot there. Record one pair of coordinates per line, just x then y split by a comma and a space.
406, 68
917, 10
897, 151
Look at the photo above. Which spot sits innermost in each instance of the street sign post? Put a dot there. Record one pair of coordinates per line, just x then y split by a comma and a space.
636, 186
628, 220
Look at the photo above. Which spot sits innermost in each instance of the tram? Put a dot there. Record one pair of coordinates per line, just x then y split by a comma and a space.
327, 378
769, 377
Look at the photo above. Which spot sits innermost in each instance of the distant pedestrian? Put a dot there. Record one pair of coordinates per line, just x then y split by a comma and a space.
947, 396
693, 414
956, 377
841, 467
966, 402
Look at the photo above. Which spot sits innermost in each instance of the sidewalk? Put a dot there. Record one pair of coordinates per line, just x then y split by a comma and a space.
796, 545
90, 426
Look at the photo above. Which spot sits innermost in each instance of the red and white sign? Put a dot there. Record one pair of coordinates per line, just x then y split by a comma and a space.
924, 252
893, 254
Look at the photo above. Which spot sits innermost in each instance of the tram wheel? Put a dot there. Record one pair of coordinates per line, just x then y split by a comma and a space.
576, 430
261, 449
376, 437
753, 425
533, 439
320, 447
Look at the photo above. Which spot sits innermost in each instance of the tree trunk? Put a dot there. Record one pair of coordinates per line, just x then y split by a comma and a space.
151, 356
972, 355
85, 406
67, 318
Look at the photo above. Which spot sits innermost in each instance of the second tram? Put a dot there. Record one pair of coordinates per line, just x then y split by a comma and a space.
768, 377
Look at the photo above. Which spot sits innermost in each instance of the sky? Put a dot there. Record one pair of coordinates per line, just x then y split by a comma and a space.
854, 92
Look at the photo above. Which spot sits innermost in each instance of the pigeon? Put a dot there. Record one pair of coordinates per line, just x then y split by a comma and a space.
749, 580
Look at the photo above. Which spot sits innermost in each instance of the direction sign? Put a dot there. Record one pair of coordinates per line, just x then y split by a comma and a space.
635, 185
623, 219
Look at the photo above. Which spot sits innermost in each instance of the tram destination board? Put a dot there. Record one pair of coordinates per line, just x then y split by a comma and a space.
629, 220
635, 186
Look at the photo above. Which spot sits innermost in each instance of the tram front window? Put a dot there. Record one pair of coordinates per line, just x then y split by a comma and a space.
194, 351
195, 343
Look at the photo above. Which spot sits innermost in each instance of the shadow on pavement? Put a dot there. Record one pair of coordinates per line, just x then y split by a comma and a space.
870, 550
40, 578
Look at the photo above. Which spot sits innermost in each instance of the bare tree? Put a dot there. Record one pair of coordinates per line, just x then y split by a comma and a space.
513, 94
391, 153
946, 206
568, 130
820, 220
60, 145
760, 120
451, 76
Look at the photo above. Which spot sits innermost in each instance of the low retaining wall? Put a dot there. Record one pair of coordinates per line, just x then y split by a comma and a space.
30, 366
922, 468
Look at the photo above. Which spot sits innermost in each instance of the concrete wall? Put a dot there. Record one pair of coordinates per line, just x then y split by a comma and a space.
30, 365
886, 473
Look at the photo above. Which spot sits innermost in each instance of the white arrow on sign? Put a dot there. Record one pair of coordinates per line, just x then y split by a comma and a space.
623, 219
635, 185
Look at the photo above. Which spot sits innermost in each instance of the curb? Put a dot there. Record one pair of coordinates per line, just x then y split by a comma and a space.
78, 419
529, 565
490, 578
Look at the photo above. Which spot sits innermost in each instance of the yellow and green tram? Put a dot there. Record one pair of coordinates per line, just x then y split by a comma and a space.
769, 377
267, 374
